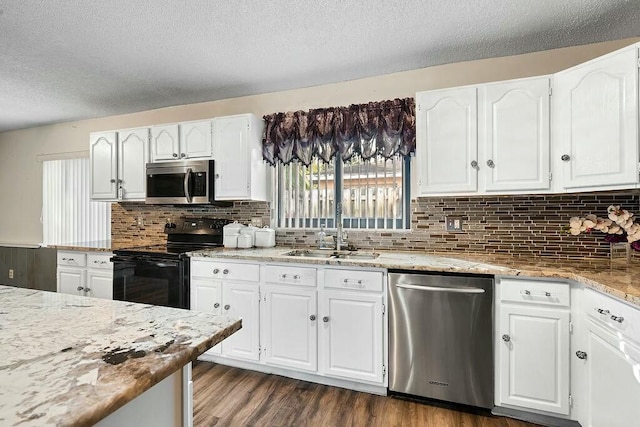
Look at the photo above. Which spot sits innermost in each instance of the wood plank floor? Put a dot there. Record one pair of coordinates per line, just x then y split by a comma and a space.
225, 396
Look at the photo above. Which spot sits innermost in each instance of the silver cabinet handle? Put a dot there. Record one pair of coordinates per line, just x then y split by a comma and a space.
217, 176
490, 163
565, 158
227, 307
474, 164
87, 290
113, 181
618, 319
183, 155
440, 289
283, 276
325, 319
80, 288
175, 154
296, 277
312, 317
581, 355
216, 305
506, 338
216, 271
346, 280
225, 271
602, 311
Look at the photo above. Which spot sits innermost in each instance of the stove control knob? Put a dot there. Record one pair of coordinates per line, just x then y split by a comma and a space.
170, 225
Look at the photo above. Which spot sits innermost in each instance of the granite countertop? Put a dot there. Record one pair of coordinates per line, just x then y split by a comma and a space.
616, 278
71, 360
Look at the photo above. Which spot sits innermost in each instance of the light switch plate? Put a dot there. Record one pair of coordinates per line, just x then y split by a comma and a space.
453, 223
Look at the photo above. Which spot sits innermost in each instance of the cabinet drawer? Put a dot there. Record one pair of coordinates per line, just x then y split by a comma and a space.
353, 280
225, 270
75, 259
101, 261
305, 276
617, 315
534, 292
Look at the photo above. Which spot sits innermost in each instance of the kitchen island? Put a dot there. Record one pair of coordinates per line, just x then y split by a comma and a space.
70, 360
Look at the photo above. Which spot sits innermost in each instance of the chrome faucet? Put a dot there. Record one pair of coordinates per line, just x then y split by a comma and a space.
341, 237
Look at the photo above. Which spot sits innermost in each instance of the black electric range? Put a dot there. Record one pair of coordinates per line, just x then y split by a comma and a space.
159, 274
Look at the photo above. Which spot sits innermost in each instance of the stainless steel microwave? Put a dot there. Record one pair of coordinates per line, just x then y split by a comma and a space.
180, 182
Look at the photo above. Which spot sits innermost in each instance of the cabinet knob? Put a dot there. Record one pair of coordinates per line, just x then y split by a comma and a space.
506, 338
581, 355
565, 157
217, 176
227, 307
216, 305
183, 155
113, 181
312, 317
618, 319
225, 271
216, 271
80, 288
490, 163
283, 276
175, 154
87, 290
346, 280
325, 319
296, 277
474, 164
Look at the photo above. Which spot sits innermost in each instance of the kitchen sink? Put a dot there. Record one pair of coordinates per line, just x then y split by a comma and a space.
306, 253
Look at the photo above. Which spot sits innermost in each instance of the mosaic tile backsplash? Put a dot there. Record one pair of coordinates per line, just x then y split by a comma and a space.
528, 225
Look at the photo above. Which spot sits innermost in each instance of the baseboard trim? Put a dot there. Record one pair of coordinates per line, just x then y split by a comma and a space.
545, 420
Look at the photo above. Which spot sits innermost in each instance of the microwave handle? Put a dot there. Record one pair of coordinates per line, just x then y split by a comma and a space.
187, 177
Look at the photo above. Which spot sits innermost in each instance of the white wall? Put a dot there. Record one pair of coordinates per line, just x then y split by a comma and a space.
21, 173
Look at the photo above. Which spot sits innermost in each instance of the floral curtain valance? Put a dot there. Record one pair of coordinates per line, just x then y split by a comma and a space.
386, 128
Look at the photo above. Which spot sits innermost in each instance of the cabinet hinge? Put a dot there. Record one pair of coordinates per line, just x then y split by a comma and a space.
419, 107
570, 327
384, 371
570, 400
550, 176
384, 308
638, 62
260, 296
550, 90
259, 350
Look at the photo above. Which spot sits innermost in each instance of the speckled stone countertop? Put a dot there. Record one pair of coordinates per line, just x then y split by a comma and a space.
616, 278
71, 360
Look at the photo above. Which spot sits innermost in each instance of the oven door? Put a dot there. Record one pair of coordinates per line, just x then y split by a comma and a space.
181, 182
151, 280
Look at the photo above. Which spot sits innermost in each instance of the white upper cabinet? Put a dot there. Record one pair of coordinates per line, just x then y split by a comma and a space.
103, 153
240, 172
515, 135
165, 142
180, 141
447, 135
133, 155
596, 122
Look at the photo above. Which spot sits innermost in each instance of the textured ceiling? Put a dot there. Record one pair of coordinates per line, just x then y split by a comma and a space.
63, 60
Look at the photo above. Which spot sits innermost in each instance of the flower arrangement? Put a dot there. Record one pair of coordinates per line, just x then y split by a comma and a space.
619, 226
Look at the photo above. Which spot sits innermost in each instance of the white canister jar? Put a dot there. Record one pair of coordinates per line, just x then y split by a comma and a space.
245, 241
265, 238
233, 228
250, 230
230, 240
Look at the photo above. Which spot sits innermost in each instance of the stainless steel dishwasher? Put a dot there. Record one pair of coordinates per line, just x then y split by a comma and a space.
440, 337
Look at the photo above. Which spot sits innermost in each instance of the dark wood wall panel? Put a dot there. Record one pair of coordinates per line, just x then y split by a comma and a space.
32, 268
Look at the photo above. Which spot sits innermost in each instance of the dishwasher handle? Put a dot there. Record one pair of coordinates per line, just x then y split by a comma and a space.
459, 290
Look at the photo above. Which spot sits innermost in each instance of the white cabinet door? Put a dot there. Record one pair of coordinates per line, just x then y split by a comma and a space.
133, 155
447, 141
232, 158
195, 139
242, 300
514, 135
290, 327
534, 358
613, 366
99, 284
206, 296
103, 153
596, 119
71, 280
165, 142
352, 335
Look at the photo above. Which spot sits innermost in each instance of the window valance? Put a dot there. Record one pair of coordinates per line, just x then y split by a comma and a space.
386, 128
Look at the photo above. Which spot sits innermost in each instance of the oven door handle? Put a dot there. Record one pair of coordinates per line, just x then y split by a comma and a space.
440, 289
187, 177
165, 264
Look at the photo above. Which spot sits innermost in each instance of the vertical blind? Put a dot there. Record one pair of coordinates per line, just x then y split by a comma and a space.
68, 214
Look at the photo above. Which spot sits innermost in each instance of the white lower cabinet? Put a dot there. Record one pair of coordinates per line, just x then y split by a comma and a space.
532, 345
85, 273
352, 335
321, 324
290, 327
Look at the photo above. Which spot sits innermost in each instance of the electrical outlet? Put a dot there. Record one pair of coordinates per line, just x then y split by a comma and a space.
256, 221
11, 273
453, 223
